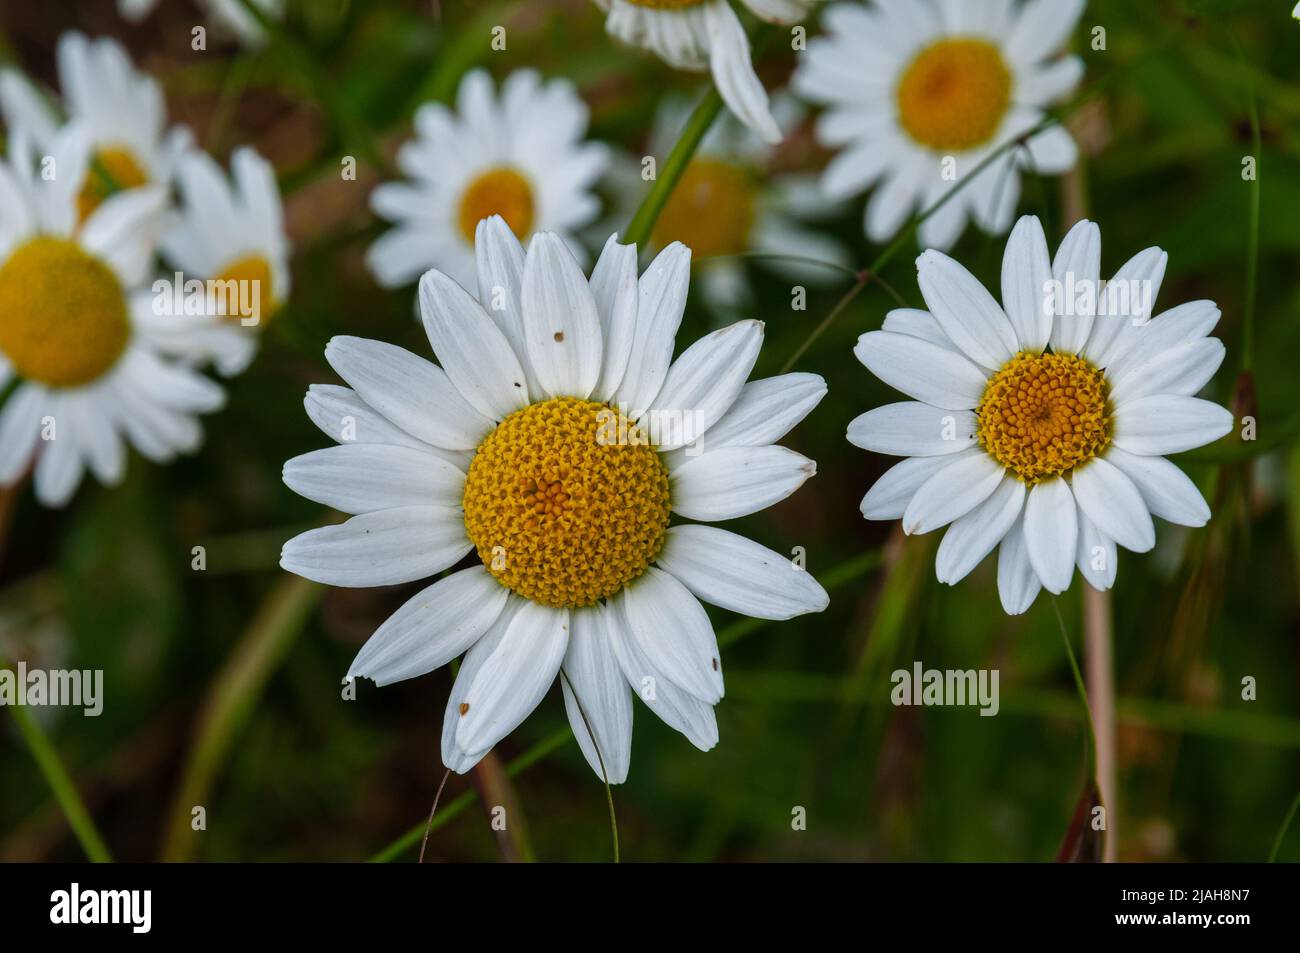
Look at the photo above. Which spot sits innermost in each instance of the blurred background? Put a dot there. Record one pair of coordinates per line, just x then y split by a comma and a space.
222, 685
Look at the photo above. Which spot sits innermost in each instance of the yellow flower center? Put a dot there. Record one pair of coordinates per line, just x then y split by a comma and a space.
1044, 414
63, 318
243, 290
711, 211
566, 502
112, 169
501, 191
954, 94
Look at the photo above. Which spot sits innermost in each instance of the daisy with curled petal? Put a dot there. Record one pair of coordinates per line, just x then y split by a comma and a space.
229, 234
707, 34
910, 84
530, 446
1039, 426
120, 107
728, 203
520, 155
82, 375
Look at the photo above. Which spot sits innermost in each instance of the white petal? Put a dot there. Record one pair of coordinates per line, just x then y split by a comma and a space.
1041, 28
1113, 503
888, 498
614, 288
1182, 370
918, 324
978, 533
1077, 270
561, 326
1026, 270
661, 300
473, 351
455, 759
596, 695
1018, 584
1138, 344
765, 411
952, 493
1130, 296
361, 478
1052, 533
923, 371
913, 429
1097, 558
1155, 426
703, 383
1166, 490
965, 310
346, 418
672, 629
511, 681
58, 468
733, 72
736, 573
736, 481
431, 628
408, 390
381, 548
500, 260
20, 429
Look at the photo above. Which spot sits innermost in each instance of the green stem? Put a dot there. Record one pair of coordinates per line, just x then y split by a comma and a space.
65, 792
1252, 239
1079, 686
1286, 825
604, 774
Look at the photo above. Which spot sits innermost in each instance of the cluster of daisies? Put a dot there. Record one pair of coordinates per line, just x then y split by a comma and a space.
100, 348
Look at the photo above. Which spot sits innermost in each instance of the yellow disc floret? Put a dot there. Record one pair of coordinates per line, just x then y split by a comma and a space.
501, 191
711, 211
112, 169
243, 291
566, 502
63, 319
1044, 414
953, 95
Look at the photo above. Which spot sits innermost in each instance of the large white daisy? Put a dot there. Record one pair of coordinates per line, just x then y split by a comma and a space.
729, 202
1040, 425
229, 235
81, 375
520, 155
703, 35
920, 92
120, 107
529, 447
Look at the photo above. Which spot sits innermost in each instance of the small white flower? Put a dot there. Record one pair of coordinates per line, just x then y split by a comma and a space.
521, 156
1041, 424
120, 107
228, 15
227, 231
920, 92
729, 202
84, 374
707, 35
528, 446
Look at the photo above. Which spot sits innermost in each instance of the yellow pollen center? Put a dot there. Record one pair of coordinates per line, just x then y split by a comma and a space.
711, 211
1044, 414
566, 502
954, 94
63, 319
120, 166
501, 191
250, 295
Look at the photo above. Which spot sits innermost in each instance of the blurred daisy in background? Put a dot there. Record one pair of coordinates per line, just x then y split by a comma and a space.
552, 442
121, 109
520, 155
83, 378
703, 35
730, 202
919, 93
229, 16
227, 230
1040, 425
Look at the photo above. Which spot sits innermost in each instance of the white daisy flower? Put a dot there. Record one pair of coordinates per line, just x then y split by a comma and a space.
530, 446
728, 202
227, 15
81, 375
918, 91
700, 35
520, 155
120, 107
228, 230
1041, 425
